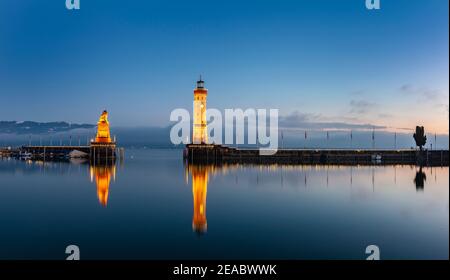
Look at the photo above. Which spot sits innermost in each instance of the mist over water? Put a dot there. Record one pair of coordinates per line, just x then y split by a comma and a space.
159, 137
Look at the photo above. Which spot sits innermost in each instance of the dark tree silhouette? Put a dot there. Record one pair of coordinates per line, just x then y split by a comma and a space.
420, 137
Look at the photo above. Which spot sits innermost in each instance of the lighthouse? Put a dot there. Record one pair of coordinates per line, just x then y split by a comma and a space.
199, 124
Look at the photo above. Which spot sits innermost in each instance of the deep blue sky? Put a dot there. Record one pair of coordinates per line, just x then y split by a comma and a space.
316, 60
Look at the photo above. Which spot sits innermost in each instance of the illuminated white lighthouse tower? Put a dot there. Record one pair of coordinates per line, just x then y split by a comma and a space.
199, 124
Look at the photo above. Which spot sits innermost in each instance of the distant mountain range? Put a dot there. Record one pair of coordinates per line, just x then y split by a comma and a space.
31, 127
62, 133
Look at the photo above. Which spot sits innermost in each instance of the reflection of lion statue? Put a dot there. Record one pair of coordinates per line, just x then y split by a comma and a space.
103, 135
103, 174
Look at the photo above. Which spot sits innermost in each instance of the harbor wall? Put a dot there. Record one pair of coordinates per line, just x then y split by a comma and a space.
217, 154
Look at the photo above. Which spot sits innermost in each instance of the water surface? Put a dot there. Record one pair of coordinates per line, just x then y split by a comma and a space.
151, 206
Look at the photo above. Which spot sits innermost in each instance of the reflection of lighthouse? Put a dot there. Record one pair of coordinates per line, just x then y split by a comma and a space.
102, 175
199, 124
199, 189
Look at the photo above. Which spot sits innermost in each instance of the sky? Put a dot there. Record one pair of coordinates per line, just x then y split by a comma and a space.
321, 61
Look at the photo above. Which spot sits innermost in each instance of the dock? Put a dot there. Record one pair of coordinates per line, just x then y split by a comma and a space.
218, 154
8, 152
96, 153
54, 151
101, 149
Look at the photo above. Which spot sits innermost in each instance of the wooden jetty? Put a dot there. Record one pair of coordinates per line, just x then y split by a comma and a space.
217, 154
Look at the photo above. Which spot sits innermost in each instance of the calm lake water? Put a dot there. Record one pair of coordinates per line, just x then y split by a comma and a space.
153, 207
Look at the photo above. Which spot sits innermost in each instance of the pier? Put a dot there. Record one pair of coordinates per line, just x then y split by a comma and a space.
200, 152
217, 154
96, 152
53, 152
101, 150
8, 152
